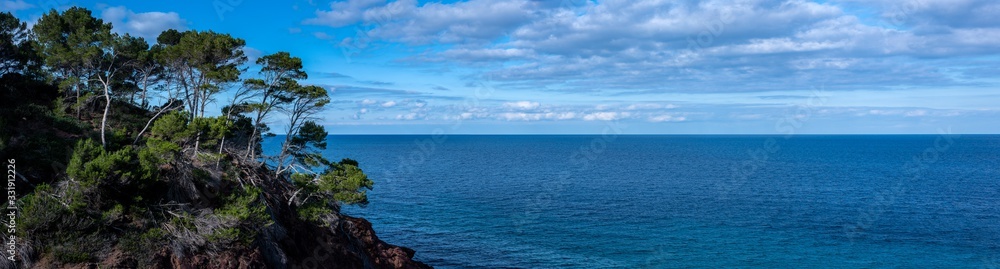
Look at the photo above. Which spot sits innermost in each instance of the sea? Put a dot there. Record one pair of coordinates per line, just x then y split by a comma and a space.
679, 201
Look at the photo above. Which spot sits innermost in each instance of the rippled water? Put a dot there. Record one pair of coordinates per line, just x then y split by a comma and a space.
684, 201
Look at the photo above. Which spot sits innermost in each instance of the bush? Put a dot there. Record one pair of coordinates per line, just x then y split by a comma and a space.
158, 152
77, 247
228, 235
250, 212
342, 182
246, 206
39, 212
210, 130
115, 214
172, 127
80, 167
345, 182
91, 164
313, 211
70, 254
143, 245
122, 176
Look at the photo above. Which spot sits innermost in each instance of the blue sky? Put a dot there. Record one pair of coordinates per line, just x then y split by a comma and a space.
650, 67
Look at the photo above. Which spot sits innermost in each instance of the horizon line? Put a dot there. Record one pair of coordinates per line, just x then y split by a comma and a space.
661, 134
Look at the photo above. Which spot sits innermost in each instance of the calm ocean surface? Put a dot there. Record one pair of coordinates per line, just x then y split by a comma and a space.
684, 201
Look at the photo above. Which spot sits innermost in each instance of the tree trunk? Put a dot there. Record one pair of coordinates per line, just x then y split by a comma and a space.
104, 119
145, 84
222, 143
284, 145
281, 160
77, 90
250, 147
197, 140
162, 109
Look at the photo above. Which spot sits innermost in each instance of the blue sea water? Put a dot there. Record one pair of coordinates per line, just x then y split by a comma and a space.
468, 201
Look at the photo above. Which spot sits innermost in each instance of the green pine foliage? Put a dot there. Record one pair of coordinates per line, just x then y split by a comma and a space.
307, 144
92, 165
212, 130
248, 209
342, 182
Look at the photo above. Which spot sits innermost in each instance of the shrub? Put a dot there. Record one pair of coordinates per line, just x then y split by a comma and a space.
250, 212
228, 235
313, 211
70, 254
172, 127
211, 130
91, 164
120, 176
77, 246
79, 166
158, 152
114, 214
143, 245
342, 182
345, 182
39, 212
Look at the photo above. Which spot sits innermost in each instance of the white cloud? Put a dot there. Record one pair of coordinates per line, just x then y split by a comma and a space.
916, 113
666, 118
477, 55
521, 105
410, 116
606, 116
368, 102
649, 106
389, 104
680, 46
478, 20
11, 6
879, 112
519, 116
147, 25
560, 116
343, 13
783, 45
322, 35
897, 112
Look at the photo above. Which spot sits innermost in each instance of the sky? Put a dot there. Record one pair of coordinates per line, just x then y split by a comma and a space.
616, 66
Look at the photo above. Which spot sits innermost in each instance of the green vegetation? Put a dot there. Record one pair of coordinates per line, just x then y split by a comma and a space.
138, 163
248, 210
340, 182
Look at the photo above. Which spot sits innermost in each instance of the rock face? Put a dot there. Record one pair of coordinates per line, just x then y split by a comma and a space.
347, 243
378, 254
